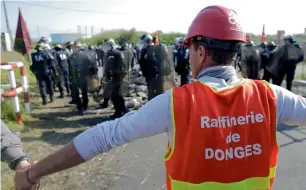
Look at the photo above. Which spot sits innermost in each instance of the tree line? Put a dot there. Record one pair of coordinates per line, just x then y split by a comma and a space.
132, 36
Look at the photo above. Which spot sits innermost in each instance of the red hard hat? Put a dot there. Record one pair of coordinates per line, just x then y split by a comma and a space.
216, 22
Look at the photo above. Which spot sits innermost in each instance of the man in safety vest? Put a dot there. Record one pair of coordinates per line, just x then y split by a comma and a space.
227, 124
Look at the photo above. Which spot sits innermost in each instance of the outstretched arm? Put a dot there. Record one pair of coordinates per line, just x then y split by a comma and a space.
153, 118
291, 108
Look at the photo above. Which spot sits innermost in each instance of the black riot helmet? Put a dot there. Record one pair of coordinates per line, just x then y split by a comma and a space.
40, 46
69, 44
271, 44
263, 44
44, 39
109, 44
110, 41
146, 38
57, 47
289, 38
124, 46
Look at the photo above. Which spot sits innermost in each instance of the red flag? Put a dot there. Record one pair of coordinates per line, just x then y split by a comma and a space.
263, 34
156, 41
23, 42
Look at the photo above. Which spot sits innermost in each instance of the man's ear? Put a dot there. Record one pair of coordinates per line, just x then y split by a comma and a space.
201, 49
202, 52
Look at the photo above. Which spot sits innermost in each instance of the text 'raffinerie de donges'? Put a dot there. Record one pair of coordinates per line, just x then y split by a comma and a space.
229, 121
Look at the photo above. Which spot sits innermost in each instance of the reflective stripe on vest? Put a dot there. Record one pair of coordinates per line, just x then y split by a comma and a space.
247, 184
218, 152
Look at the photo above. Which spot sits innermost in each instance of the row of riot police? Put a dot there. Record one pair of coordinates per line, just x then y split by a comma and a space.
276, 62
155, 63
60, 67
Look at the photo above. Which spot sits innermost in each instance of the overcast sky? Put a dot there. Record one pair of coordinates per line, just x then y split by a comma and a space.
150, 15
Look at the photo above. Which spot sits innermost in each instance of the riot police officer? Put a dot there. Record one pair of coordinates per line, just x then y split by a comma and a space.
301, 58
125, 47
267, 56
61, 57
114, 73
182, 66
69, 49
79, 71
92, 54
106, 88
42, 67
146, 40
287, 64
93, 58
156, 66
46, 42
100, 55
251, 59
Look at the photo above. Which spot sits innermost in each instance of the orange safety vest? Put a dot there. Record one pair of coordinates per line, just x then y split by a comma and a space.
222, 139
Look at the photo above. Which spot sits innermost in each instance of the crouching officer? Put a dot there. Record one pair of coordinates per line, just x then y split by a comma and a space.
42, 67
61, 57
115, 72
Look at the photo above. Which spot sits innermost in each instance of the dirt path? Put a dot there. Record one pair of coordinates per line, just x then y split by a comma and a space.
55, 125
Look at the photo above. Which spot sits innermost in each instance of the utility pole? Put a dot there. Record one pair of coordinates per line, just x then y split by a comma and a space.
7, 23
86, 31
38, 33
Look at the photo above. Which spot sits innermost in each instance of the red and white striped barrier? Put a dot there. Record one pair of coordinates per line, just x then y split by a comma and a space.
14, 90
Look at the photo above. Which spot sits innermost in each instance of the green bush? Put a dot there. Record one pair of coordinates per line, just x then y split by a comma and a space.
132, 36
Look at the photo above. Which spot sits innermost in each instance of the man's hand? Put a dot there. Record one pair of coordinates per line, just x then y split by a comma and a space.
22, 165
22, 178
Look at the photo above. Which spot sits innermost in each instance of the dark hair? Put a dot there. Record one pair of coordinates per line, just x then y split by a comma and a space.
221, 52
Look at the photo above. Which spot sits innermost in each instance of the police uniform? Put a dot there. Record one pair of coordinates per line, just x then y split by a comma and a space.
62, 61
146, 40
43, 65
79, 64
267, 58
182, 66
132, 53
251, 60
93, 57
287, 63
114, 73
